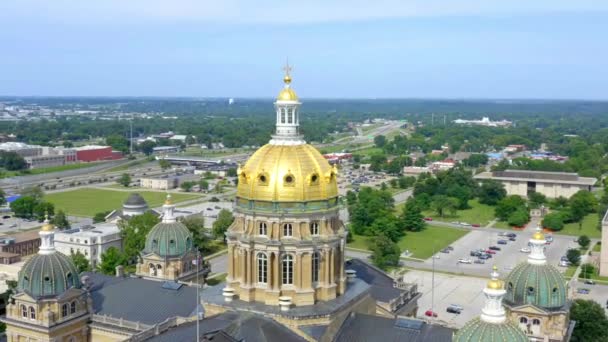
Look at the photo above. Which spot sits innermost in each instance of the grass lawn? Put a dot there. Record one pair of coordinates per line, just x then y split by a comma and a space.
216, 280
597, 247
589, 227
421, 244
369, 151
88, 202
478, 214
570, 271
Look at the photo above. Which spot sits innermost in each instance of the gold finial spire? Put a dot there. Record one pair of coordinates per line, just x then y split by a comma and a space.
47, 226
287, 69
168, 200
494, 283
538, 235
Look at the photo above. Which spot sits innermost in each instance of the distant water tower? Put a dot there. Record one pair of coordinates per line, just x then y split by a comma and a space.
230, 101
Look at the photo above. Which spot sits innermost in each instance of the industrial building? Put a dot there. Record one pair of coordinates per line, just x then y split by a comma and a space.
550, 184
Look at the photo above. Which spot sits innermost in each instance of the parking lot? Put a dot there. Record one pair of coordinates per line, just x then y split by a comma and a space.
505, 259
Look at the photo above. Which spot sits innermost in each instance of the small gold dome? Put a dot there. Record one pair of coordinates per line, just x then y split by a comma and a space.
287, 94
47, 226
287, 79
168, 200
538, 235
287, 173
495, 283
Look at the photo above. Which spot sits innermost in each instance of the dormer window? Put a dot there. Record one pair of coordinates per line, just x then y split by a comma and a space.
287, 229
314, 228
262, 229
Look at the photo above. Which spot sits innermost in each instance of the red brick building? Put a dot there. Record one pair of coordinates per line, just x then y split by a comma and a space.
92, 153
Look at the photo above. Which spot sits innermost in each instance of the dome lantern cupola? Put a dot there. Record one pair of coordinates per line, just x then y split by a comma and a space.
288, 116
493, 311
537, 248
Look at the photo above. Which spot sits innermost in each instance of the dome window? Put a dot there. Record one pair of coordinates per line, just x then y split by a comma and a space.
243, 177
289, 180
536, 321
188, 242
262, 179
314, 179
154, 243
530, 291
172, 242
523, 320
554, 290
70, 280
26, 281
510, 286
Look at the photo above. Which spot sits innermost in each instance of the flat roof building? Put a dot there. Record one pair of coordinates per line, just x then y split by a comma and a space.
90, 241
550, 184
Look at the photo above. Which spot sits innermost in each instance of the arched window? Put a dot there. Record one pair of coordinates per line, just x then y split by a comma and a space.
32, 312
64, 310
530, 291
154, 243
73, 307
289, 116
523, 320
282, 115
158, 267
23, 311
188, 243
262, 268
172, 242
69, 279
287, 269
315, 266
287, 229
263, 228
26, 281
509, 286
536, 321
314, 228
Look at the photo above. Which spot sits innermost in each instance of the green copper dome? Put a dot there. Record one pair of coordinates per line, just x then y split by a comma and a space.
540, 285
477, 330
169, 239
48, 275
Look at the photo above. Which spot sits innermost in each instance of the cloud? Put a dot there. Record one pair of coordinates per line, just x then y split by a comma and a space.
278, 12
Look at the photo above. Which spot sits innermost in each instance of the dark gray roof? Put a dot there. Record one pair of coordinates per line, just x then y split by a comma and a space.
135, 199
239, 325
139, 300
562, 176
366, 328
382, 288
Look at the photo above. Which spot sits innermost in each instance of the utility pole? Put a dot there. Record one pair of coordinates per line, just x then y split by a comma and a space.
198, 313
131, 137
433, 285
432, 119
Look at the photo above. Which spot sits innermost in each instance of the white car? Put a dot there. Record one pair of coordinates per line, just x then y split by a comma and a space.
466, 224
525, 250
465, 261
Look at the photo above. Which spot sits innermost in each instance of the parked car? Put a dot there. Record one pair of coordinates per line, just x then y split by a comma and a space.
457, 306
494, 248
430, 313
450, 248
455, 222
583, 291
489, 251
484, 256
589, 282
525, 250
479, 261
428, 219
475, 225
512, 239
6, 216
466, 224
563, 258
501, 242
564, 263
13, 225
475, 253
502, 234
445, 250
465, 261
511, 235
453, 310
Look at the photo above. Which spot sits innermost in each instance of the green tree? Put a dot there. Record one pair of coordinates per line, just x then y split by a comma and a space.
218, 188
536, 199
591, 321
519, 217
118, 142
553, 221
24, 207
134, 231
387, 225
2, 197
124, 180
411, 217
509, 205
476, 160
231, 172
588, 271
380, 141
580, 204
147, 147
100, 217
81, 262
385, 252
164, 164
110, 259
41, 209
187, 186
60, 220
442, 204
203, 184
221, 224
491, 192
12, 161
584, 241
461, 193
196, 226
573, 256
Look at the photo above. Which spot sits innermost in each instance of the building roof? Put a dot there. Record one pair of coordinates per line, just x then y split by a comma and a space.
135, 199
139, 300
90, 147
477, 330
240, 326
169, 239
539, 285
538, 176
363, 328
23, 236
48, 275
382, 285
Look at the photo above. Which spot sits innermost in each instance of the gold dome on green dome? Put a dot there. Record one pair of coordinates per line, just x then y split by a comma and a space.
287, 173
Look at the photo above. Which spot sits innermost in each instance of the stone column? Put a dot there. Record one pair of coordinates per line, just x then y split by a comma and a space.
277, 275
247, 266
230, 263
296, 270
326, 261
332, 264
307, 271
242, 276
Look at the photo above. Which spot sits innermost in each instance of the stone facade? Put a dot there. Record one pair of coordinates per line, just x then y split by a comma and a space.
540, 324
157, 267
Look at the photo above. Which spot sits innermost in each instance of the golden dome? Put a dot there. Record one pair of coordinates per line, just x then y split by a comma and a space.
47, 226
495, 283
168, 200
287, 94
287, 173
538, 235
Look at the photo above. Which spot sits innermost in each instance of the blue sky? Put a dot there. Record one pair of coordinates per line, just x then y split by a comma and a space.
344, 49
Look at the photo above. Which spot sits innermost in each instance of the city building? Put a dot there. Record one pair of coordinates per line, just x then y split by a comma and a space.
169, 252
415, 170
21, 149
49, 304
90, 241
493, 324
15, 246
44, 160
167, 182
485, 121
286, 246
537, 296
91, 153
134, 205
550, 184
443, 165
165, 149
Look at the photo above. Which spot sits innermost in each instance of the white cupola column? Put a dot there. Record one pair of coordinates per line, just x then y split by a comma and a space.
47, 238
287, 109
537, 248
168, 208
493, 311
